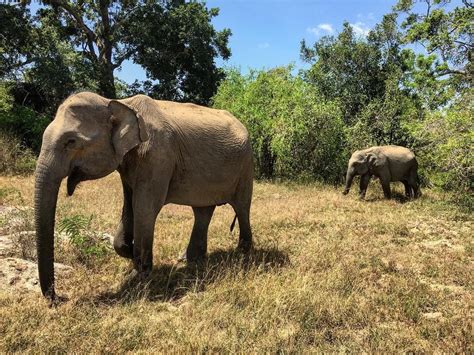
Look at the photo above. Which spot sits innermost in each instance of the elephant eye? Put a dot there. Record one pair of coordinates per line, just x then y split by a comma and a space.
70, 143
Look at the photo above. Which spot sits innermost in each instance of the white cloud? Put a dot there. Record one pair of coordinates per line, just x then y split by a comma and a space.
360, 28
264, 45
326, 27
321, 28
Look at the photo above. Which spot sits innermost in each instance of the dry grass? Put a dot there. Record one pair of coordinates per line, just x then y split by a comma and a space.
330, 273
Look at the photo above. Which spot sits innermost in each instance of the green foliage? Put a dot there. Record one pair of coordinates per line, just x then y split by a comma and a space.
15, 158
37, 53
422, 80
345, 69
366, 76
15, 40
177, 48
20, 127
445, 142
383, 121
446, 34
174, 41
295, 134
88, 245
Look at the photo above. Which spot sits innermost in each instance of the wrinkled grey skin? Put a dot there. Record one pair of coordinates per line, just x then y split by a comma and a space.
388, 163
165, 152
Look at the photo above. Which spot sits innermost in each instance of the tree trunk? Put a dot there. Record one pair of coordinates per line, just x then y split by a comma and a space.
107, 81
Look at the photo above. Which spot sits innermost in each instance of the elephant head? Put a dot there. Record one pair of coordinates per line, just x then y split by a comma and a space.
360, 163
87, 140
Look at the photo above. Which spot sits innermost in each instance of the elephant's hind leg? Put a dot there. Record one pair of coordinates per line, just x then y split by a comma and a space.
197, 247
123, 241
241, 205
408, 189
414, 183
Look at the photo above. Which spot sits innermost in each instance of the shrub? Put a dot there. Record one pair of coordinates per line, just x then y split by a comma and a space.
21, 121
294, 133
445, 145
88, 246
383, 121
15, 158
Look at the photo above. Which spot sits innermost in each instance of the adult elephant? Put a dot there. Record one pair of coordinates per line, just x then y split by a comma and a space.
165, 152
388, 163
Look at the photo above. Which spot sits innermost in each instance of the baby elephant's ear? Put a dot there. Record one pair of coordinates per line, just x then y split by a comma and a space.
371, 159
128, 128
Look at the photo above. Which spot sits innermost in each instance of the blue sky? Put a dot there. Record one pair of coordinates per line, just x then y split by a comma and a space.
267, 33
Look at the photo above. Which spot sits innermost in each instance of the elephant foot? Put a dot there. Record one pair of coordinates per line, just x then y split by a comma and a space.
124, 250
135, 277
245, 246
56, 300
345, 192
183, 257
194, 255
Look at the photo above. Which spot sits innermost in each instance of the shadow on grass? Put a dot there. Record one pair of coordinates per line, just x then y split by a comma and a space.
396, 196
171, 282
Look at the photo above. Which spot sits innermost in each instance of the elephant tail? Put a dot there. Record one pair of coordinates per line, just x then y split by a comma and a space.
233, 224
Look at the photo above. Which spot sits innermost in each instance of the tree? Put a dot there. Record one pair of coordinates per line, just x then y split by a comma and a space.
344, 68
446, 36
178, 50
37, 62
16, 42
107, 32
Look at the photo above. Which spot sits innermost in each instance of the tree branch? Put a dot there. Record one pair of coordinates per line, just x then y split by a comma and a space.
451, 71
120, 58
76, 16
105, 45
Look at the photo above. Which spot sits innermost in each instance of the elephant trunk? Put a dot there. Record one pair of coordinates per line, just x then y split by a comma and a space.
46, 195
349, 177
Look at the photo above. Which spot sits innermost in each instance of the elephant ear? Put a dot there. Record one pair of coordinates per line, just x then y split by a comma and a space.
128, 128
371, 160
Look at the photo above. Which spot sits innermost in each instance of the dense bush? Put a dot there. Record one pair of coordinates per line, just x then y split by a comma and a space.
15, 158
384, 120
19, 122
294, 132
445, 141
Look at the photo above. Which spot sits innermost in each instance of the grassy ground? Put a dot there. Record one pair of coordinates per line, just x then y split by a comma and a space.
329, 273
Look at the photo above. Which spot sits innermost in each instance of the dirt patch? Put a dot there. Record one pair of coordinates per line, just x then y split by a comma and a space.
18, 274
22, 275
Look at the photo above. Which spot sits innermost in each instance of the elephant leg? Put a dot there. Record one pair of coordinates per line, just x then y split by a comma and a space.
241, 206
386, 188
413, 181
123, 241
408, 189
147, 204
197, 247
364, 183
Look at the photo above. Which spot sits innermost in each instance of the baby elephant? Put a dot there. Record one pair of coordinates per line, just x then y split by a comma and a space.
388, 163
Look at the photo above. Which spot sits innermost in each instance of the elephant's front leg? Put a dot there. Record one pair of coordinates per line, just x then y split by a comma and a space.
197, 247
386, 188
149, 196
146, 206
364, 183
123, 241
